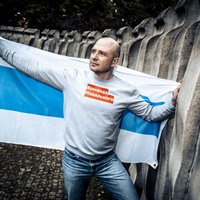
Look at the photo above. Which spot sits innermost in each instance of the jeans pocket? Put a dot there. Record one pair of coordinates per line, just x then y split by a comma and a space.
70, 154
69, 160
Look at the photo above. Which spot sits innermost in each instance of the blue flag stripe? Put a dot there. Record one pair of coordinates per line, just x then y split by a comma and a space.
22, 93
131, 122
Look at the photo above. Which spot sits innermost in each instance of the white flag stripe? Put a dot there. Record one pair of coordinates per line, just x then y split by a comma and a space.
29, 129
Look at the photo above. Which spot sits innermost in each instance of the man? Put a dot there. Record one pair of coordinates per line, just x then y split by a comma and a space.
94, 101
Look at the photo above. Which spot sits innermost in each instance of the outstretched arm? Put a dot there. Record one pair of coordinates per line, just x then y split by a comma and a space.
44, 72
154, 113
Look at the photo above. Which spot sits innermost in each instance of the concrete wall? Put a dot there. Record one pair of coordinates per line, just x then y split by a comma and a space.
167, 46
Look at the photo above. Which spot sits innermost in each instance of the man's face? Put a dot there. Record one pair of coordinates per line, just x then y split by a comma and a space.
101, 58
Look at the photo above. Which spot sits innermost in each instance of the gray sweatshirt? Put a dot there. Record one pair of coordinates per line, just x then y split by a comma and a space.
92, 107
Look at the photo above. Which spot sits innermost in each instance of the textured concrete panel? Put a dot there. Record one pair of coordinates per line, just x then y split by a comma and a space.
42, 39
81, 53
194, 179
133, 47
17, 34
74, 39
124, 34
52, 42
91, 39
6, 31
186, 127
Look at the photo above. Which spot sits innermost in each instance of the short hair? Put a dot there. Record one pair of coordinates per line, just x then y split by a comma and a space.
117, 48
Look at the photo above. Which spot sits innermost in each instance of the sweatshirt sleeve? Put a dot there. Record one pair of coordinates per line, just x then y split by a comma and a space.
150, 112
52, 75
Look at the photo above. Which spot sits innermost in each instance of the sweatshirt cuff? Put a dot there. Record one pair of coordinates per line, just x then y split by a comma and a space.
170, 105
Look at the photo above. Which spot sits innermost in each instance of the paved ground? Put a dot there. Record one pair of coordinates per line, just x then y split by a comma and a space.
35, 173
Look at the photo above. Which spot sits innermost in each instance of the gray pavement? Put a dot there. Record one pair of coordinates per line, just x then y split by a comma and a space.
36, 173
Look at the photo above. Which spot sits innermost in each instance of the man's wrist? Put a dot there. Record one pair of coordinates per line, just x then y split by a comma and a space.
173, 102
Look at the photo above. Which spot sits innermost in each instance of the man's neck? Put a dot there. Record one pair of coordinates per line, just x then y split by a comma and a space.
104, 76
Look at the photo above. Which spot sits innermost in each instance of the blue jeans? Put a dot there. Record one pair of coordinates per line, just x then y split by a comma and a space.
108, 170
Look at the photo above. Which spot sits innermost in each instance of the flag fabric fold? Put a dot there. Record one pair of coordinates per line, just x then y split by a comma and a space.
31, 112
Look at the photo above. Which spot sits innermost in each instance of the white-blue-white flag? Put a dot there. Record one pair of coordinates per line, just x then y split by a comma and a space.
31, 112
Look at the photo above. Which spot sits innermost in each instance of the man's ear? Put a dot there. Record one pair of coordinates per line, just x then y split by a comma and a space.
115, 61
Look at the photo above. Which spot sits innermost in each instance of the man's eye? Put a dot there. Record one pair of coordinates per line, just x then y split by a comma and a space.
102, 53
